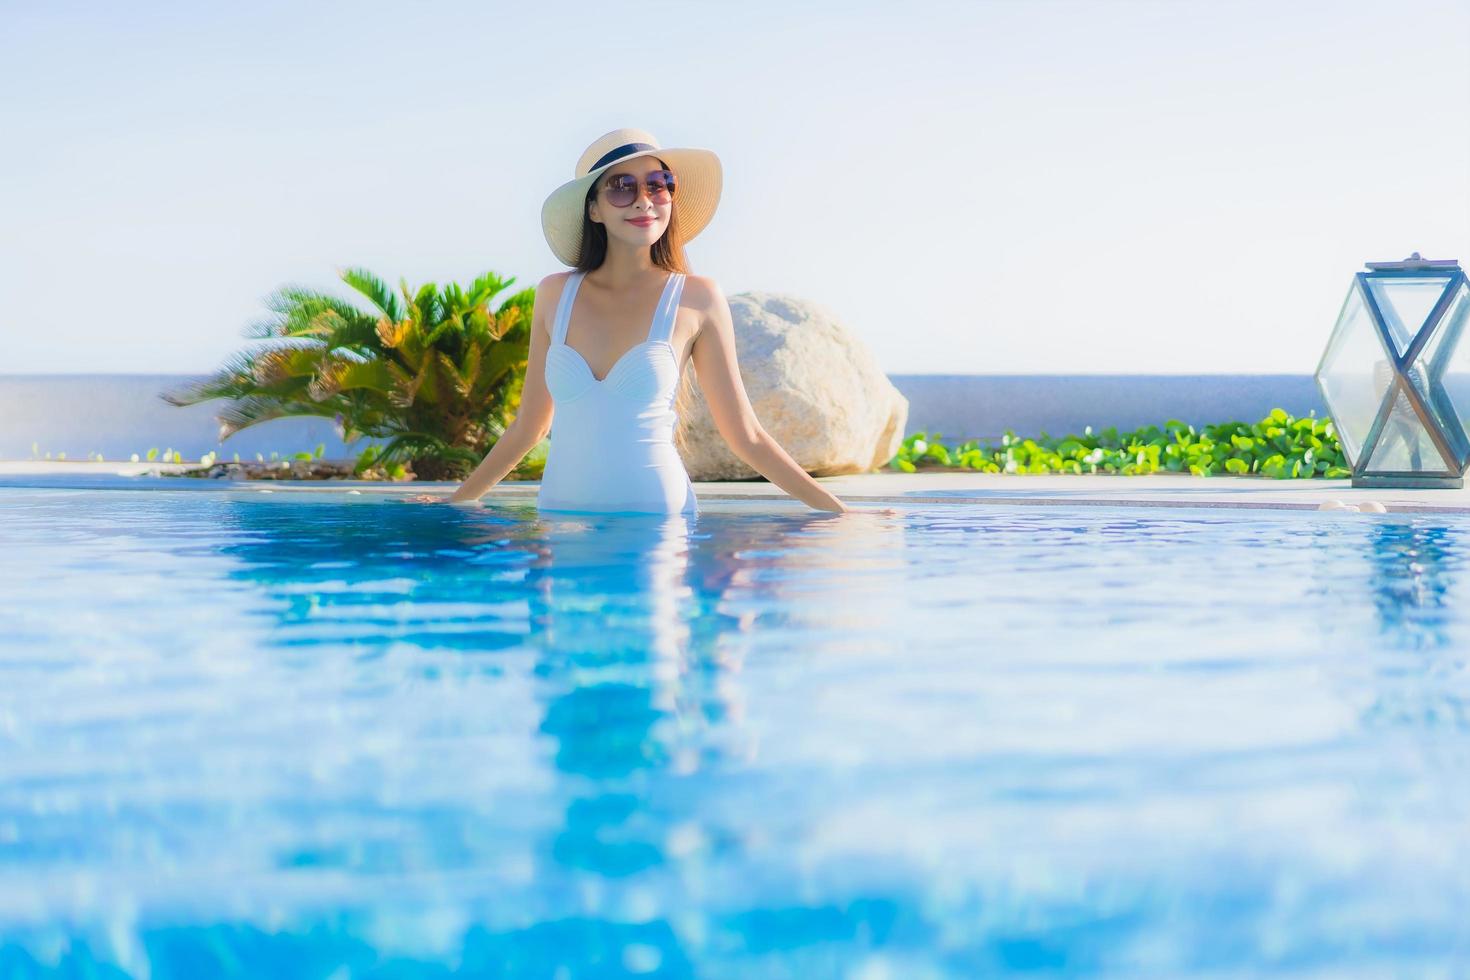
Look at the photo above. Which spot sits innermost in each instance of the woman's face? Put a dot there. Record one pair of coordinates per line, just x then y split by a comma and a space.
641, 223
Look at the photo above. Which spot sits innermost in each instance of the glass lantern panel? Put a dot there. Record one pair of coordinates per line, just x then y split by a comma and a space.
1406, 304
1441, 372
1355, 373
1404, 446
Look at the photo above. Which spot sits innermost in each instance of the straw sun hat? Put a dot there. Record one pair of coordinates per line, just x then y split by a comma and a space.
697, 181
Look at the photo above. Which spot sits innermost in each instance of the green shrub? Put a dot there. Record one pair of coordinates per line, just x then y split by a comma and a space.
1278, 446
436, 372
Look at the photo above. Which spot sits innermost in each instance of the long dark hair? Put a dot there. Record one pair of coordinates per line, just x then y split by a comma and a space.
667, 252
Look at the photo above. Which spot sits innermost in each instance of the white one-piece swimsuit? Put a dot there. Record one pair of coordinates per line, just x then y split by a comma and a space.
612, 440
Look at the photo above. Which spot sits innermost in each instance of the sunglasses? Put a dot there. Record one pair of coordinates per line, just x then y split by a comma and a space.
622, 189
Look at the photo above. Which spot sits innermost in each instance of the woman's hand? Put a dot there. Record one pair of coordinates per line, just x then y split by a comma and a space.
847, 509
437, 498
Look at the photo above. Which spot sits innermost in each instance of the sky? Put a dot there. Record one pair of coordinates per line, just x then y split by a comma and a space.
1047, 186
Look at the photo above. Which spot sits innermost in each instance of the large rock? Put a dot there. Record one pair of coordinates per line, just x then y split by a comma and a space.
814, 386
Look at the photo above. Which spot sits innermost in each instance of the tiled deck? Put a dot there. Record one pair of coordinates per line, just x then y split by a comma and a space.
892, 487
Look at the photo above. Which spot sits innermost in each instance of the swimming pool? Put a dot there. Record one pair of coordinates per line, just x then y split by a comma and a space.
312, 735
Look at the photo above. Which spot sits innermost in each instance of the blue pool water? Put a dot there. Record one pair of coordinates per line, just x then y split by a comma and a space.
325, 735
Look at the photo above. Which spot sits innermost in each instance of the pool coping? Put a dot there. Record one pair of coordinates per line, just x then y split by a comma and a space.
884, 487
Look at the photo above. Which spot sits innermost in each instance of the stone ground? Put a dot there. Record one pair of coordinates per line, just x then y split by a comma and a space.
894, 487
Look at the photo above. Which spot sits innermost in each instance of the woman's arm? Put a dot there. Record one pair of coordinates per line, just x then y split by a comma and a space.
719, 376
533, 418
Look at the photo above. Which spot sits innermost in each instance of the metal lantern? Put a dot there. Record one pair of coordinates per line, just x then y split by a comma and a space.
1396, 377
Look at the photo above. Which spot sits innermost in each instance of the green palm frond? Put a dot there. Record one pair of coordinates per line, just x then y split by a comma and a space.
449, 325
405, 395
376, 376
406, 445
483, 289
469, 369
357, 334
457, 384
293, 309
275, 367
255, 409
525, 298
421, 305
451, 299
377, 291
235, 379
499, 361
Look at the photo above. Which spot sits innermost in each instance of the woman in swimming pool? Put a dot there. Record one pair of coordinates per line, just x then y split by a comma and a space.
611, 336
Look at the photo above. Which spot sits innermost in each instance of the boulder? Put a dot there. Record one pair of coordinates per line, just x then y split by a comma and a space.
815, 387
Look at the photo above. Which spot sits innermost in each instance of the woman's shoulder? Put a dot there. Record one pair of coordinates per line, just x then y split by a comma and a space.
555, 280
549, 289
548, 297
700, 292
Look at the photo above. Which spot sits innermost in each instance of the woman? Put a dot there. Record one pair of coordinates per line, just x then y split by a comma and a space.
608, 368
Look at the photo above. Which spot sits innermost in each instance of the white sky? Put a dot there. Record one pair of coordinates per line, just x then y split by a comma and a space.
1167, 186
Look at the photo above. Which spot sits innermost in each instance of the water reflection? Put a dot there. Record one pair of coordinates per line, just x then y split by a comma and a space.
613, 659
1421, 683
1412, 567
635, 631
625, 700
643, 627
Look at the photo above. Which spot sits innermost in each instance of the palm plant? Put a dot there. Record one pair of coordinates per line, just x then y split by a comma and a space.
436, 372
